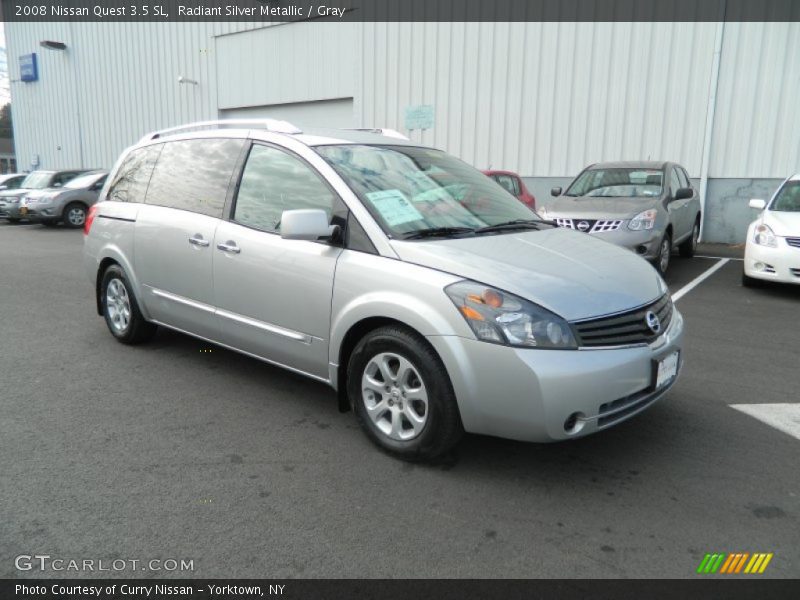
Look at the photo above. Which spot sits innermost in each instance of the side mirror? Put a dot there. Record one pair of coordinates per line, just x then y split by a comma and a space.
758, 204
683, 193
556, 191
307, 224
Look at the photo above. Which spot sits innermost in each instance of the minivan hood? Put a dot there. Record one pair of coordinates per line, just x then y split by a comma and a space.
783, 223
572, 274
598, 207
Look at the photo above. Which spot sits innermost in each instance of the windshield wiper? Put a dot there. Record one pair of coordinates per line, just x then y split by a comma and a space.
436, 232
509, 225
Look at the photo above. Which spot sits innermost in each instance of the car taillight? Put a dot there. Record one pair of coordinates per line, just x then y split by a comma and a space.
87, 225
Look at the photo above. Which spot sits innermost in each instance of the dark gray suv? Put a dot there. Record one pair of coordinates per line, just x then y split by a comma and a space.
647, 207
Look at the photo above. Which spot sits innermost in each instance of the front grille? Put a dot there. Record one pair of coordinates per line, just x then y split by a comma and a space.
793, 242
612, 413
589, 225
795, 272
625, 328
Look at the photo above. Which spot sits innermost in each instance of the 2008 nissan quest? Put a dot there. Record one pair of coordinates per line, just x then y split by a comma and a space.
427, 295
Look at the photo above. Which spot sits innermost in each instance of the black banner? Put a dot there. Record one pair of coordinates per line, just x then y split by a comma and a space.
730, 588
401, 10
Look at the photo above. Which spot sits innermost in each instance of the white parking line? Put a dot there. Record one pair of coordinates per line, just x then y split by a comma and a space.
783, 417
717, 257
699, 279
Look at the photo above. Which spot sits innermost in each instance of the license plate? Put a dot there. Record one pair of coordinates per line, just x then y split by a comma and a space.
667, 370
23, 210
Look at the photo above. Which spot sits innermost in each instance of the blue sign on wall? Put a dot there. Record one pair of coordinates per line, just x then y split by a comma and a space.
28, 70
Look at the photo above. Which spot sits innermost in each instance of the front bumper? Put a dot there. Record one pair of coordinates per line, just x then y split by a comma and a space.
529, 394
9, 210
43, 212
781, 264
646, 243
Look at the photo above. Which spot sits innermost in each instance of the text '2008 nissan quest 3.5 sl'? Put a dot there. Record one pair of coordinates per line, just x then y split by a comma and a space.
426, 294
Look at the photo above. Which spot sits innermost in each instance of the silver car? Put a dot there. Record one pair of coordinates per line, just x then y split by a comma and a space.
10, 200
647, 207
69, 203
430, 298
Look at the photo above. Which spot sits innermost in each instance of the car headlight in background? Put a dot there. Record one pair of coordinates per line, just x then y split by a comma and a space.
765, 237
644, 220
502, 318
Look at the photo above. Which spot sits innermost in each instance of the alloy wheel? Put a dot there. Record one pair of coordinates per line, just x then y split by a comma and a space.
118, 305
663, 257
395, 397
76, 216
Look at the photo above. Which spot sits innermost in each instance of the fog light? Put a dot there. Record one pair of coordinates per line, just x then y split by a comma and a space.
574, 423
641, 249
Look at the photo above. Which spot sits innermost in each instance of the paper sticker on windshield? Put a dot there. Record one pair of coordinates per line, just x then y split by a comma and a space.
394, 207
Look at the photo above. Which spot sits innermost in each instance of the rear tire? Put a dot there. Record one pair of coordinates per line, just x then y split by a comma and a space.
74, 215
402, 395
689, 247
120, 309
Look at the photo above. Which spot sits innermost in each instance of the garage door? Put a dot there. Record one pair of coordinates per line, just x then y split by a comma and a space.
337, 113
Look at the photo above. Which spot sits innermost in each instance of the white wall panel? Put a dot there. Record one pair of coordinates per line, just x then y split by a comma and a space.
544, 99
295, 62
757, 123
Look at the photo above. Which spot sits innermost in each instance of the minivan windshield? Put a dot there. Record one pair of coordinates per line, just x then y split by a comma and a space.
37, 180
788, 198
617, 183
411, 190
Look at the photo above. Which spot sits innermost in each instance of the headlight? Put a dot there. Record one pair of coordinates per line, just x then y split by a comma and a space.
499, 317
14, 200
765, 237
644, 220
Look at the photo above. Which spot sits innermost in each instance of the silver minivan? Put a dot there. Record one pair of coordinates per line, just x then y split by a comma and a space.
430, 298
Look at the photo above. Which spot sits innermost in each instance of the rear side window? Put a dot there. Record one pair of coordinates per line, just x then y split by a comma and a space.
274, 181
194, 175
674, 182
508, 182
131, 179
683, 178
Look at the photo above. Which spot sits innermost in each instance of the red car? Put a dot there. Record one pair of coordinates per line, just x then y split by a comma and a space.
514, 184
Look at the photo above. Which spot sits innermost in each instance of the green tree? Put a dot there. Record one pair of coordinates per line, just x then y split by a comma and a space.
6, 130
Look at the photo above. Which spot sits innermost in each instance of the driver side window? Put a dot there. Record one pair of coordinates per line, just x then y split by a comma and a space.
274, 181
674, 181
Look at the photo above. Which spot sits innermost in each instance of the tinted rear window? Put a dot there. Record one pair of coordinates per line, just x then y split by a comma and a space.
130, 181
194, 175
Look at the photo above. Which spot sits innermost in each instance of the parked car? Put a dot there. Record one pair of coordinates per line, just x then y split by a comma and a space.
772, 249
647, 207
11, 181
514, 185
37, 180
444, 314
69, 203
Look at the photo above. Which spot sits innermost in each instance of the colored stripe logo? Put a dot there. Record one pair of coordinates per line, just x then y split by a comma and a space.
735, 563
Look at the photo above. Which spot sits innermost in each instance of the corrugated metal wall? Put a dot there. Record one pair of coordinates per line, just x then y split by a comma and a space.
757, 123
543, 99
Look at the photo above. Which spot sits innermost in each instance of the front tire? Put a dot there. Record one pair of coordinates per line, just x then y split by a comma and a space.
689, 247
120, 309
402, 395
664, 253
75, 215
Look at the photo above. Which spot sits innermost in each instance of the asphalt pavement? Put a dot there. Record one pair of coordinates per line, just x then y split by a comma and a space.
179, 449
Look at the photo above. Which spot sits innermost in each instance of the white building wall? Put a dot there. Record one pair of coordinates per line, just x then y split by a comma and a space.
544, 99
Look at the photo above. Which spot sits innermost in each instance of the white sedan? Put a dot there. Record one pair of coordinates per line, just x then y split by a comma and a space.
772, 250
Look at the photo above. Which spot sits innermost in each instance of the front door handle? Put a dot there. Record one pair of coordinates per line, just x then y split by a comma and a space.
197, 240
229, 246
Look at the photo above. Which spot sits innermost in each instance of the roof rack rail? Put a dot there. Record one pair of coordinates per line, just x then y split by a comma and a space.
381, 131
273, 125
